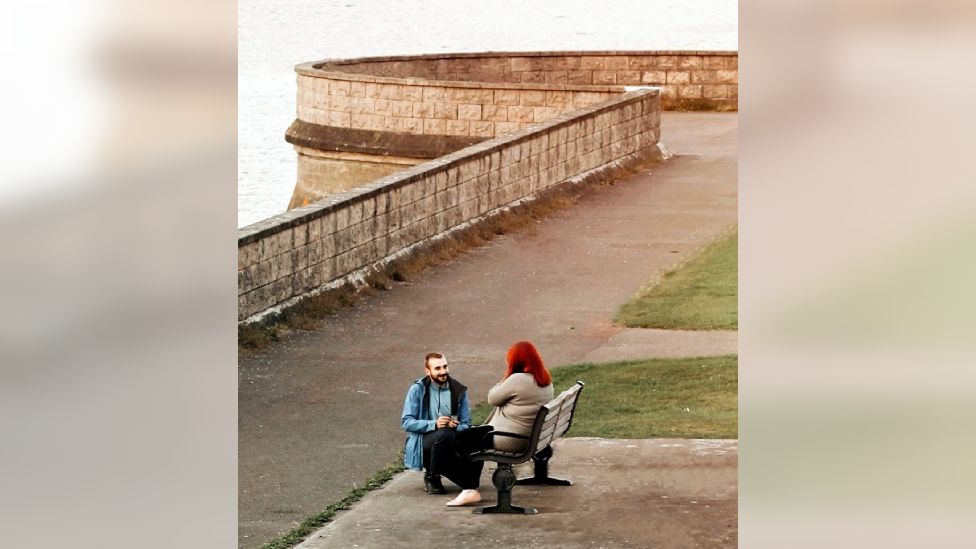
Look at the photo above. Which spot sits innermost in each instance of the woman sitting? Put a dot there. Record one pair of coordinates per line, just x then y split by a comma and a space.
527, 385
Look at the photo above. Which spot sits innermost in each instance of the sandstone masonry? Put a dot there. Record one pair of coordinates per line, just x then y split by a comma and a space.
296, 252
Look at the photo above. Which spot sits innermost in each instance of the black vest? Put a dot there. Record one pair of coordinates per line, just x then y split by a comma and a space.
456, 388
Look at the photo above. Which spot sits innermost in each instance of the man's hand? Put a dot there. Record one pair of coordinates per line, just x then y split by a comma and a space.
444, 421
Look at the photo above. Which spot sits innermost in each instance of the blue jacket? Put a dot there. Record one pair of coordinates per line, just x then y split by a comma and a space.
416, 419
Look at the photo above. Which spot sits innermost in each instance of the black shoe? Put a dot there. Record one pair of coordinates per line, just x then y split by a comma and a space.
432, 484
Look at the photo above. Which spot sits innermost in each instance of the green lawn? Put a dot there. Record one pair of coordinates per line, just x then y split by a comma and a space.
702, 294
675, 398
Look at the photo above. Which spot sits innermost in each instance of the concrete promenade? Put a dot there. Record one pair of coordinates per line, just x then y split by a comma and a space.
626, 493
319, 412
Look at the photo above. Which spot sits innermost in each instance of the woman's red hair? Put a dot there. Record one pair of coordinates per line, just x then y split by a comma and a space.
524, 358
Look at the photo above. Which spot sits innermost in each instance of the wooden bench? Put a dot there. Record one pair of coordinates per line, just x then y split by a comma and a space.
552, 421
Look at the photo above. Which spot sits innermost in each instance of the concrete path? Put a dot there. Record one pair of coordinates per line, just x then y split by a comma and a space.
320, 411
626, 493
638, 343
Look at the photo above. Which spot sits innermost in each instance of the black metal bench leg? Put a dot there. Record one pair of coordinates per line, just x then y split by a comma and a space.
541, 473
504, 480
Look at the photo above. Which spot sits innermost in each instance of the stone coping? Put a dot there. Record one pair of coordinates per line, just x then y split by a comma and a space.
308, 69
475, 55
333, 68
374, 142
304, 214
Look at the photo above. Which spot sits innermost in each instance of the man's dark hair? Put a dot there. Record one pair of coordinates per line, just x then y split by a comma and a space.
430, 356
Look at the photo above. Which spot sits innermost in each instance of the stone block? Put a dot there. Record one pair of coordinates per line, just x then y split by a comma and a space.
582, 99
497, 113
344, 263
435, 94
654, 77
412, 93
300, 258
557, 77
558, 98
250, 253
359, 122
389, 91
357, 89
299, 235
299, 283
640, 62
446, 111
467, 190
565, 63
541, 114
520, 114
628, 78
340, 119
732, 62
579, 77
265, 274
344, 241
689, 92
666, 61
469, 112
593, 62
481, 128
284, 241
475, 96
413, 125
435, 126
392, 124
678, 77
704, 77
383, 106
341, 103
503, 128
362, 105
328, 224
727, 76
604, 77
281, 266
423, 110
402, 109
343, 216
689, 62
532, 97
519, 64
506, 97
532, 77
716, 91
313, 115
713, 62
339, 87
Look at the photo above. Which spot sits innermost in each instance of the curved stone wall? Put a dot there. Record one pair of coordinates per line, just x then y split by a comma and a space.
289, 255
486, 95
421, 107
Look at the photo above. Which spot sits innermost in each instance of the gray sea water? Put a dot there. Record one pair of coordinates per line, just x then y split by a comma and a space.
276, 35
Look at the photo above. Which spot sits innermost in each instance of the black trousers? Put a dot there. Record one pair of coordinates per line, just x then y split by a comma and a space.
446, 453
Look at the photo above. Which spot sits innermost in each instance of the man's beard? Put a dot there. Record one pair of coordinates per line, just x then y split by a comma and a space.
441, 379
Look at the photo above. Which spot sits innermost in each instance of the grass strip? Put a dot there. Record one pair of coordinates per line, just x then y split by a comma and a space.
671, 398
702, 294
311, 524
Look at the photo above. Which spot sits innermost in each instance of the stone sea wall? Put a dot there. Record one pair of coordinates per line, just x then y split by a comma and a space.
309, 248
487, 95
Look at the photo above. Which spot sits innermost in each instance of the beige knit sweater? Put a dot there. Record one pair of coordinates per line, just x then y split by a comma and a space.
517, 400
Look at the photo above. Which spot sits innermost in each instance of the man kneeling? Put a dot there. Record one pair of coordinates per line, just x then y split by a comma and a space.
437, 419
